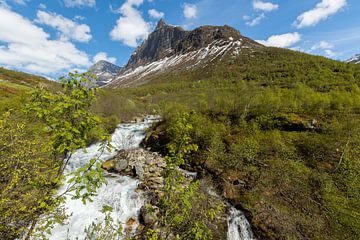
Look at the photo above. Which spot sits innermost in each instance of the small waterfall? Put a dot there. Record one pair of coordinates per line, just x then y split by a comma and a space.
120, 192
238, 226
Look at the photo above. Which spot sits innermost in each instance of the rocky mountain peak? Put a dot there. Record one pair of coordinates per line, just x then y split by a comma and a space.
105, 71
161, 24
167, 41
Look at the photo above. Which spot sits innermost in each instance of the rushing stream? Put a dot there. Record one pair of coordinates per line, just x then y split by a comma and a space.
121, 191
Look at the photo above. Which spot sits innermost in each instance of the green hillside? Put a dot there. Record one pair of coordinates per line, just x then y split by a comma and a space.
278, 131
15, 85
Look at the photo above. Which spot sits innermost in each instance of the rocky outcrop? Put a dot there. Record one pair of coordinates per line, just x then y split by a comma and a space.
147, 166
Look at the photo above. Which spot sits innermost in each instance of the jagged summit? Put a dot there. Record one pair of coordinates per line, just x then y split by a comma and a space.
169, 40
161, 24
171, 48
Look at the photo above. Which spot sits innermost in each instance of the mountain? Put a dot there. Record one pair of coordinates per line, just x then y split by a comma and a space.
105, 71
355, 59
277, 130
171, 48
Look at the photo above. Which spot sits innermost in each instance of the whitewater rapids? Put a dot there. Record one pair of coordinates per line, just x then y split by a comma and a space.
121, 191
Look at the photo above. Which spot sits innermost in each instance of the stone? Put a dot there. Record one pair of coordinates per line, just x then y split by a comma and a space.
139, 170
149, 214
108, 165
121, 165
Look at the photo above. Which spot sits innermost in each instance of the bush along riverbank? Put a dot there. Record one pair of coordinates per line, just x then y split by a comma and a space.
293, 176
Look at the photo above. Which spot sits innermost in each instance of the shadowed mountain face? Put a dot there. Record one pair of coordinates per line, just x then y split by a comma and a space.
172, 47
167, 41
105, 71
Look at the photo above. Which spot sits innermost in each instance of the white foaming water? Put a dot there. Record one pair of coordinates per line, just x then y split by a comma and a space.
238, 226
120, 192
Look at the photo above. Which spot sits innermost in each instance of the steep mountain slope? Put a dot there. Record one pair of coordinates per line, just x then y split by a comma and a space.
171, 48
105, 71
355, 59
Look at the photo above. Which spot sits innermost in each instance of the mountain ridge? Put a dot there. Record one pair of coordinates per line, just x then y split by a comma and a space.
170, 48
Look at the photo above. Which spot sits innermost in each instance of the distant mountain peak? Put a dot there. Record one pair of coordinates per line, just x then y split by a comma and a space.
104, 71
355, 59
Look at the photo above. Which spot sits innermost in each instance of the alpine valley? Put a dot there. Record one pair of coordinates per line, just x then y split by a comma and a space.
271, 137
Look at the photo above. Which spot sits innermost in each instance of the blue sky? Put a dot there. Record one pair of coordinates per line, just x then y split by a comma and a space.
53, 37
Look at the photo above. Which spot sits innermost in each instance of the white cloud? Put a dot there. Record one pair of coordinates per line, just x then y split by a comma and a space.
3, 4
42, 6
321, 12
103, 56
283, 40
330, 53
80, 3
254, 21
79, 18
190, 11
156, 14
130, 28
26, 46
264, 6
21, 2
68, 28
322, 45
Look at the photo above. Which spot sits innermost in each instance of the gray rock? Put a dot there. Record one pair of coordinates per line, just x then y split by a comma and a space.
121, 165
149, 214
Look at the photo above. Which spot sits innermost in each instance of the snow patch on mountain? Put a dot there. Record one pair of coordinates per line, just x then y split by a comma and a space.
216, 50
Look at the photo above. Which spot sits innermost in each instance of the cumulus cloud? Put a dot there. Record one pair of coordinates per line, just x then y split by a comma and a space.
261, 7
321, 12
190, 11
156, 14
283, 40
322, 45
130, 28
254, 21
67, 28
26, 46
324, 48
103, 56
79, 3
264, 6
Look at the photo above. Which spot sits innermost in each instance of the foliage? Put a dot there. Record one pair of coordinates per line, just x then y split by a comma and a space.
67, 124
277, 128
184, 209
25, 177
